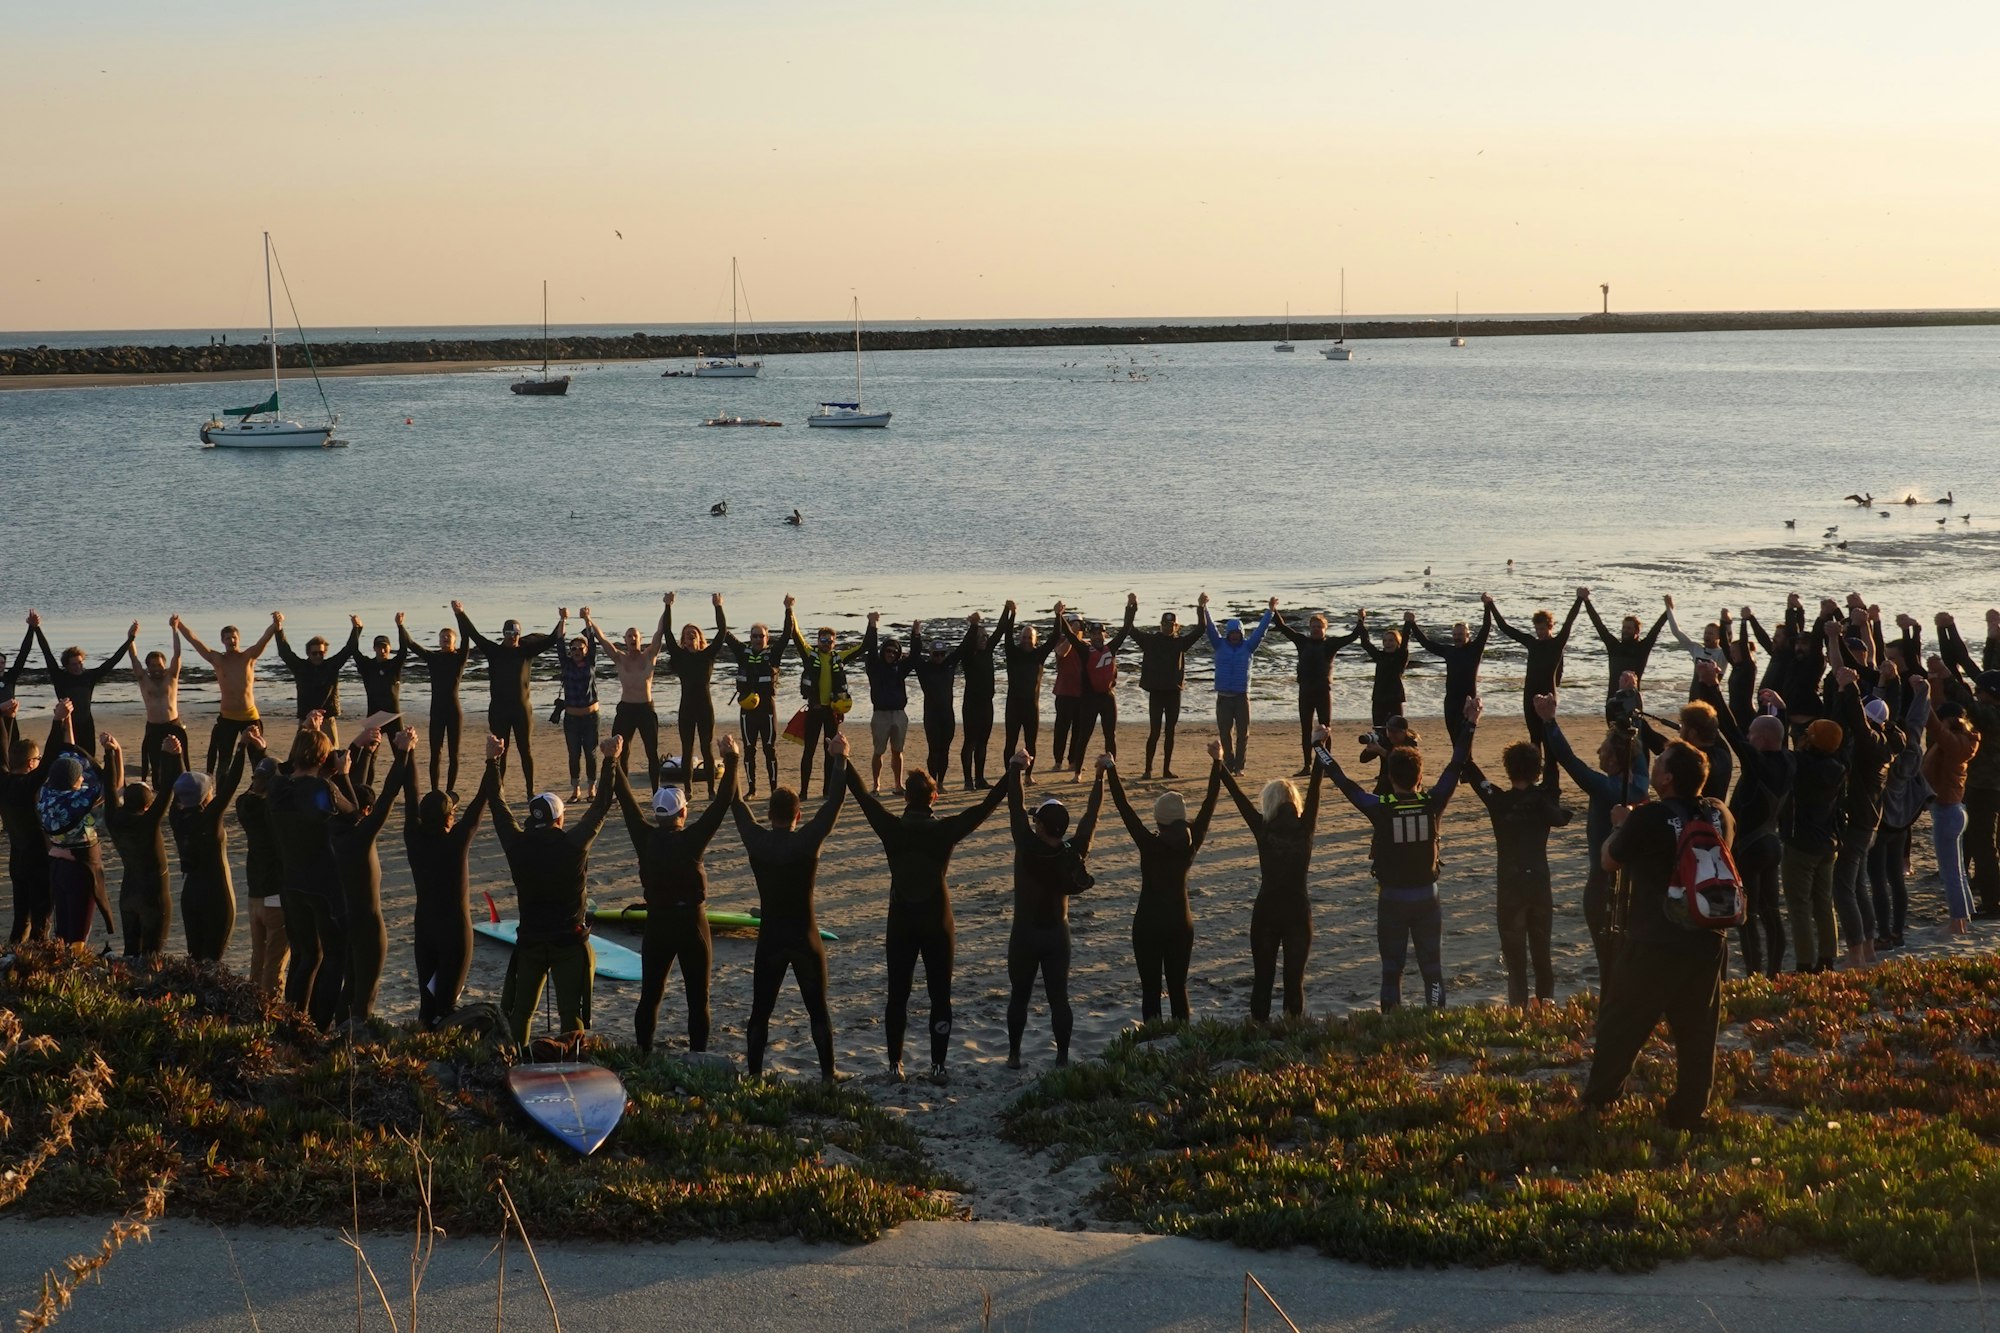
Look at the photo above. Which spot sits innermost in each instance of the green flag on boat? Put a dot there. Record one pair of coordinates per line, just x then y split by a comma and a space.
268, 405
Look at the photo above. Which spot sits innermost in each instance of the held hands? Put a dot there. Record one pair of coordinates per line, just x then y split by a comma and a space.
1920, 686
1668, 598
1009, 608
1845, 677
171, 745
1132, 600
789, 600
1474, 708
1272, 604
404, 741
1618, 815
1215, 749
495, 748
1707, 672
1545, 707
1022, 759
254, 734
715, 600
315, 720
369, 738
110, 741
1202, 600
611, 745
10, 708
670, 598
399, 620
1105, 763
836, 746
355, 621
874, 619
457, 606
278, 619
1772, 699
731, 747
1321, 736
34, 618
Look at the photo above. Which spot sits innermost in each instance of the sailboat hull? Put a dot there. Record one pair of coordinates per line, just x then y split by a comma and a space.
846, 417
554, 388
1337, 353
265, 435
729, 370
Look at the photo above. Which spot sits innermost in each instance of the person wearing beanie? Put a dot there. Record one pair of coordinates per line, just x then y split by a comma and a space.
1757, 804
1049, 867
888, 669
68, 809
208, 896
1233, 648
1162, 921
1810, 835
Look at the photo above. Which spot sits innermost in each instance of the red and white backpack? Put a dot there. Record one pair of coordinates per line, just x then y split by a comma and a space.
1705, 892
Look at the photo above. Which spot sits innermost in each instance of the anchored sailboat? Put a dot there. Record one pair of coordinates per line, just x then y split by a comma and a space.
1286, 345
1457, 339
1340, 351
543, 387
260, 426
850, 414
733, 366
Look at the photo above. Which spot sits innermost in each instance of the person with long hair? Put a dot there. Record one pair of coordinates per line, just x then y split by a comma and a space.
1281, 919
691, 657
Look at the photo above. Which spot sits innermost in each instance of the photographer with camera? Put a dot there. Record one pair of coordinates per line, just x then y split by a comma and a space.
1378, 743
1620, 778
1461, 657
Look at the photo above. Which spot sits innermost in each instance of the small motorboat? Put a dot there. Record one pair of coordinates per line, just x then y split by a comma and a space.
740, 421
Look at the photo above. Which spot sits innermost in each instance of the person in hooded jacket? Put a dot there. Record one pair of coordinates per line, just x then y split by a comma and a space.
1162, 921
69, 809
1233, 648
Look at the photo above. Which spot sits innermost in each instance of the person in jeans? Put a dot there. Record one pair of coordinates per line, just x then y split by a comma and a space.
1233, 648
1981, 700
1951, 746
579, 708
1903, 800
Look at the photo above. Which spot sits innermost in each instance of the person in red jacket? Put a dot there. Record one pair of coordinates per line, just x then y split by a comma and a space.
1097, 703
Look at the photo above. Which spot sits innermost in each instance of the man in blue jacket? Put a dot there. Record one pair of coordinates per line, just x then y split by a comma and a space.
1232, 677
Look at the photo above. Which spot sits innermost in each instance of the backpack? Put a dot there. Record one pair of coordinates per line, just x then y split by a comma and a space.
1705, 891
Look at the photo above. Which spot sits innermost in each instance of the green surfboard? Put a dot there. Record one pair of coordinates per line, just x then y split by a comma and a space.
635, 915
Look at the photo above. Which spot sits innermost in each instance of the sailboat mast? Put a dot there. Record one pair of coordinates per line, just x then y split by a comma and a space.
271, 319
1343, 307
857, 354
545, 328
732, 306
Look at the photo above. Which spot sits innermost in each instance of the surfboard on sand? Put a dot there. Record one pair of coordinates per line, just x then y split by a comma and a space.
615, 962
634, 914
580, 1104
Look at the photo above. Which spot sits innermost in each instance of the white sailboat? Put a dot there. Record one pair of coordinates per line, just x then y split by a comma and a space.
850, 414
1457, 339
733, 366
260, 426
1340, 351
1286, 345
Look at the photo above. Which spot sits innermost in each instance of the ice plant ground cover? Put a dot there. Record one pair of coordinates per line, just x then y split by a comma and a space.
1855, 1114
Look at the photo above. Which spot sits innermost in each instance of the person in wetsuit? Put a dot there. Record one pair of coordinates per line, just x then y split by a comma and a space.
1026, 657
381, 672
27, 851
445, 665
10, 682
784, 858
579, 713
1544, 670
1619, 779
1162, 922
1315, 650
692, 659
550, 866
1163, 677
1049, 868
354, 851
1757, 804
235, 669
437, 839
159, 682
1281, 918
976, 699
136, 813
636, 663
208, 896
888, 669
935, 673
1461, 657
759, 662
264, 868
77, 683
674, 880
316, 676
69, 809
300, 808
1523, 813
1630, 649
509, 664
918, 846
823, 686
1392, 659
1068, 688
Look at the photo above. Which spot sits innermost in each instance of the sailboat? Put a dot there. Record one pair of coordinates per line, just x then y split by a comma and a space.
1286, 345
1457, 339
543, 387
260, 426
1340, 351
733, 366
850, 414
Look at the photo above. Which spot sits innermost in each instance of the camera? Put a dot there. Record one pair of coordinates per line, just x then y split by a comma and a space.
1373, 738
1622, 709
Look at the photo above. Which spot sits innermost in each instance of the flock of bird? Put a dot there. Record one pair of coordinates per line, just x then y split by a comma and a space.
1867, 501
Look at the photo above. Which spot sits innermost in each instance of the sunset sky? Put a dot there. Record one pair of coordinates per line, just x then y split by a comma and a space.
430, 163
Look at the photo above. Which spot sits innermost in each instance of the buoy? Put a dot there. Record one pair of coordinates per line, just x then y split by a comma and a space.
409, 421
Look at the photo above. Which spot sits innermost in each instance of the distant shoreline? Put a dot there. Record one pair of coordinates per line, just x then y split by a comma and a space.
114, 367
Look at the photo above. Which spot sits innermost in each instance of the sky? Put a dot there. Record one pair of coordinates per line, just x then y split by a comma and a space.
432, 162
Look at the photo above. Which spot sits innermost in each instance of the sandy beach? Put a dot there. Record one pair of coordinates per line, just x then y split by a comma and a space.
960, 1122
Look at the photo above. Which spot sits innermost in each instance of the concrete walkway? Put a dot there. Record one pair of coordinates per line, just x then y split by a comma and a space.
930, 1275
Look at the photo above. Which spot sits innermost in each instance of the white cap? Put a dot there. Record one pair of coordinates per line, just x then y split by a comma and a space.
1877, 711
669, 801
552, 803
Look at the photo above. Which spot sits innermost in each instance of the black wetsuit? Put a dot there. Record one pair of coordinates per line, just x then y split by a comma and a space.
208, 896
443, 881
1044, 878
976, 701
509, 714
1544, 670
318, 683
1763, 790
759, 673
1461, 668
382, 684
10, 681
1163, 923
1523, 898
674, 880
446, 670
1314, 667
1024, 691
145, 896
1385, 697
935, 678
1622, 654
550, 868
823, 688
786, 865
919, 845
1281, 918
27, 849
78, 687
1163, 676
300, 810
1097, 684
361, 893
695, 669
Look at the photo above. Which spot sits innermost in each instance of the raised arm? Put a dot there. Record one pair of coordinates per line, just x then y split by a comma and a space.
385, 801
291, 659
1252, 816
1198, 831
872, 810
965, 821
1569, 621
1086, 828
1604, 634
352, 648
1493, 609
704, 828
637, 826
1133, 824
472, 636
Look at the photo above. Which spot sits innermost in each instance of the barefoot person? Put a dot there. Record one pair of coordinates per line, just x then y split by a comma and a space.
1461, 655
264, 869
579, 714
381, 672
445, 665
136, 815
1162, 922
73, 681
1049, 868
1523, 814
1544, 671
1281, 918
674, 880
784, 858
936, 671
509, 665
823, 686
919, 845
976, 698
636, 664
235, 669
692, 659
1392, 659
159, 681
300, 808
354, 851
208, 896
1315, 650
27, 769
1027, 658
1630, 649
759, 666
437, 839
888, 669
1163, 677
316, 676
1233, 649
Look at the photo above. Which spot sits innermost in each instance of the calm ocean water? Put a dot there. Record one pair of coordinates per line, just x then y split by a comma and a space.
1638, 464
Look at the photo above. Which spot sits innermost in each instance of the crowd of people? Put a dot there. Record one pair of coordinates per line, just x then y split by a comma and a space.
1807, 753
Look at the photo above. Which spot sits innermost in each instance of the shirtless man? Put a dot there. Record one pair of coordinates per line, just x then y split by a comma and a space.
160, 688
636, 714
235, 670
